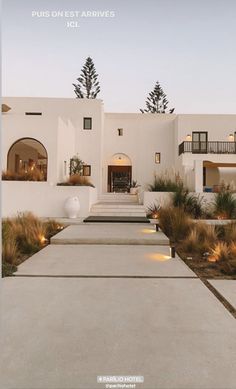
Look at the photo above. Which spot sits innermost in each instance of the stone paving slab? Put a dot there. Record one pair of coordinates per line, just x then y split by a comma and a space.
227, 288
101, 233
102, 260
64, 220
60, 333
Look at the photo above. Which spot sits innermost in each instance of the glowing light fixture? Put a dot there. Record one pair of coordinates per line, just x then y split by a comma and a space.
189, 138
158, 257
211, 259
148, 231
231, 137
42, 239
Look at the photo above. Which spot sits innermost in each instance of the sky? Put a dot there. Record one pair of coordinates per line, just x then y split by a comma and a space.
189, 46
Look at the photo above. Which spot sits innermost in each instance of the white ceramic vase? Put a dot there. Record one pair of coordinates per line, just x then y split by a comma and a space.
72, 207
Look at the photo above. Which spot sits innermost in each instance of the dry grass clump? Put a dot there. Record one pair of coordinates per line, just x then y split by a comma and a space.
31, 175
77, 180
232, 248
175, 223
221, 254
9, 246
200, 239
23, 236
208, 249
29, 232
229, 232
52, 227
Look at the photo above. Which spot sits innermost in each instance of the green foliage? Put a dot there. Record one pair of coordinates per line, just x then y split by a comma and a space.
165, 183
156, 101
76, 165
225, 205
190, 203
88, 85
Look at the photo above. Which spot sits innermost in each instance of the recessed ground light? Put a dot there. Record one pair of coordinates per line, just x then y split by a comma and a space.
158, 257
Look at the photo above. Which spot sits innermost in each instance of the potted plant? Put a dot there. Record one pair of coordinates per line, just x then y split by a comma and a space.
134, 187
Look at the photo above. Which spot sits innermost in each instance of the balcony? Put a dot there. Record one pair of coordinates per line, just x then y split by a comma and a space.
214, 147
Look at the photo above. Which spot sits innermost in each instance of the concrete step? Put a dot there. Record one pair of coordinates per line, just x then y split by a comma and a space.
117, 209
113, 205
131, 214
118, 198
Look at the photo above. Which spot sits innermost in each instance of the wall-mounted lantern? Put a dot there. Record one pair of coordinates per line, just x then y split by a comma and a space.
189, 138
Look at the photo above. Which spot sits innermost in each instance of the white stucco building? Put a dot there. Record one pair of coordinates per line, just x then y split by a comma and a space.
116, 147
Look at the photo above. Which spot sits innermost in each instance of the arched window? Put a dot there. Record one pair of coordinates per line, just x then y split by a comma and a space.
27, 155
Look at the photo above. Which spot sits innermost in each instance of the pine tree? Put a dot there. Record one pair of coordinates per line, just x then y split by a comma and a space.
156, 101
88, 85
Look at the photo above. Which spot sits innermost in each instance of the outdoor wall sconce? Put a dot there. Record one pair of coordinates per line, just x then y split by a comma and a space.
188, 138
172, 251
120, 131
231, 137
158, 158
65, 168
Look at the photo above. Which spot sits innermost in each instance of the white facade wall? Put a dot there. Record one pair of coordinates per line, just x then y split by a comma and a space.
60, 130
43, 199
143, 136
219, 127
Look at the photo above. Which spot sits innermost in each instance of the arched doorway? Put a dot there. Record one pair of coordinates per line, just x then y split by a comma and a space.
27, 154
119, 173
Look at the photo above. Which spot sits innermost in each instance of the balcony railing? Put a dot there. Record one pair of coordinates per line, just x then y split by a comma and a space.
207, 147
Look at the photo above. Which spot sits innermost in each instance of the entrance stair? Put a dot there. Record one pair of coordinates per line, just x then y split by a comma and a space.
118, 204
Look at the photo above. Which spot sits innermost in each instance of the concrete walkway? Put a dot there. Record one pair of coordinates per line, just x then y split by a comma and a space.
102, 260
75, 312
103, 233
227, 288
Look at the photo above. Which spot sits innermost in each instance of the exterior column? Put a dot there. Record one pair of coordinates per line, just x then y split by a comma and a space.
198, 176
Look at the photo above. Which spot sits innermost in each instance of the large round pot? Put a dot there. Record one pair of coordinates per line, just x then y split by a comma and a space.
72, 207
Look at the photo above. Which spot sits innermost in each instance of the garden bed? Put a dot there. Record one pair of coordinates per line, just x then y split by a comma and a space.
23, 236
203, 268
209, 250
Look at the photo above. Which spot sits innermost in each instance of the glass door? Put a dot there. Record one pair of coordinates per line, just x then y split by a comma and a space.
199, 142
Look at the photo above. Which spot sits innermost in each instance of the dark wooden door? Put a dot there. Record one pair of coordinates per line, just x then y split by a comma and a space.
119, 178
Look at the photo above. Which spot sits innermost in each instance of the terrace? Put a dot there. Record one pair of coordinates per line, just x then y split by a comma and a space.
213, 147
